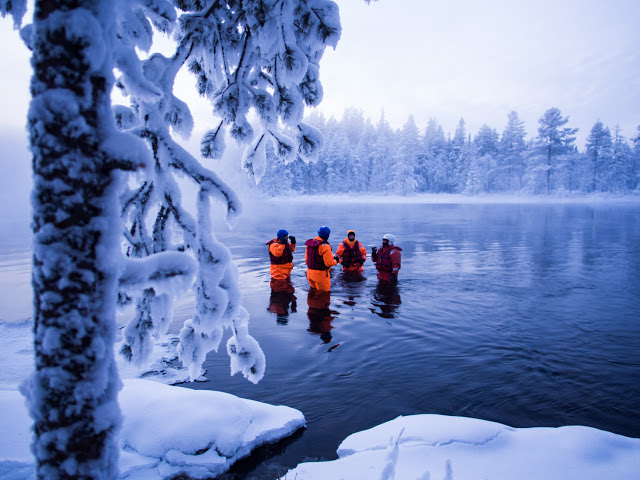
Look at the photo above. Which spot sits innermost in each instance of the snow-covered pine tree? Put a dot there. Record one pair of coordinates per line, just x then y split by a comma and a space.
383, 155
460, 156
485, 159
512, 149
402, 177
619, 177
433, 172
553, 140
245, 55
599, 152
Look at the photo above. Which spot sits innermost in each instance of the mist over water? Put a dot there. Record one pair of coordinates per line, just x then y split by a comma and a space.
525, 314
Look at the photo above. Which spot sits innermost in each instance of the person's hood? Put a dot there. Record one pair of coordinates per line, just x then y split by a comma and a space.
351, 244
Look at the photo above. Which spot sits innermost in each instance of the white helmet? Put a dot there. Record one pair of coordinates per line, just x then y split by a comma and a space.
391, 238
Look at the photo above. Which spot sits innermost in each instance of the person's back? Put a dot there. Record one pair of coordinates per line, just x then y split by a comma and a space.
319, 259
281, 258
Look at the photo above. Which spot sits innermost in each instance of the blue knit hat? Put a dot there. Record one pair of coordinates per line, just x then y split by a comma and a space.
282, 233
324, 232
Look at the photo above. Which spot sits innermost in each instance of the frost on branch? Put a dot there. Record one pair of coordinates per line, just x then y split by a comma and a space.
15, 8
246, 56
262, 56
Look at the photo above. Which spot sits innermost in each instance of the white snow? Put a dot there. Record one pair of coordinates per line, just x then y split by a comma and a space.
439, 447
166, 431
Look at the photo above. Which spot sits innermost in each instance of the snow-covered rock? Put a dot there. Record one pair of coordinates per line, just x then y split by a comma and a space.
440, 447
166, 431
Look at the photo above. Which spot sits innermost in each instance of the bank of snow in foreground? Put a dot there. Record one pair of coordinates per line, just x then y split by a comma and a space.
435, 447
166, 431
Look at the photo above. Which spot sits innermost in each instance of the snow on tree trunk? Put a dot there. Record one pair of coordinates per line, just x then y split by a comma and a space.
72, 394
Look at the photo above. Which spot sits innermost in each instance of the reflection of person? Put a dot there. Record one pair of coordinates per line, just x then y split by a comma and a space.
388, 259
351, 254
281, 256
279, 303
320, 315
319, 259
387, 299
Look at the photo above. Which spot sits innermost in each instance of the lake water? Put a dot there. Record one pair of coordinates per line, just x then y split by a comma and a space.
524, 314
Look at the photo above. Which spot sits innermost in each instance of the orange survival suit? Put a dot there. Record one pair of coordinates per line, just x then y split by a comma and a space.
352, 254
319, 260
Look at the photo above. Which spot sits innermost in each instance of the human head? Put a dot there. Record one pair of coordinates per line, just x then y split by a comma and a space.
390, 239
324, 232
351, 235
281, 234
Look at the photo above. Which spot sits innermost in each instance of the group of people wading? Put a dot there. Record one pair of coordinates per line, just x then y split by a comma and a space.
319, 258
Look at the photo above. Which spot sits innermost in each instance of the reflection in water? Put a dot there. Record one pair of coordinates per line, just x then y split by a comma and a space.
320, 315
280, 303
282, 285
386, 300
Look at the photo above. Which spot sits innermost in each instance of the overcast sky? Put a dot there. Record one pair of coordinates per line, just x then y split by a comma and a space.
481, 59
449, 59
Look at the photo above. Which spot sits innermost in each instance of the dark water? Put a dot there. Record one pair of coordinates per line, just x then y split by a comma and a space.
528, 315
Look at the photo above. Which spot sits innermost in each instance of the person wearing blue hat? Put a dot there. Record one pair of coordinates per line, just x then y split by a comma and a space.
319, 259
281, 256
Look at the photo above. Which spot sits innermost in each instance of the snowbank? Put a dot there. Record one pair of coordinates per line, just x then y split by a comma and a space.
166, 431
440, 447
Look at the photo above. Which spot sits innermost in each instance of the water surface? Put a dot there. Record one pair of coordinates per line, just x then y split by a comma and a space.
528, 315
524, 314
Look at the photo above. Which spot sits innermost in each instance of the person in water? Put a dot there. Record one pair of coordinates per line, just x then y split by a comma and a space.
351, 254
388, 259
281, 257
319, 259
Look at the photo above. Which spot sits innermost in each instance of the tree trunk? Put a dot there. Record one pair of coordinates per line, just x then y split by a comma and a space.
73, 391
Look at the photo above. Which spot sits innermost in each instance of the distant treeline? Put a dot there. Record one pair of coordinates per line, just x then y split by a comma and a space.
361, 157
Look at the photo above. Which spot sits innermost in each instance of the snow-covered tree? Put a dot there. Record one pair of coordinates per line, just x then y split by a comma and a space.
363, 157
432, 173
77, 156
383, 156
486, 154
599, 153
635, 169
401, 175
512, 149
552, 141
459, 155
246, 55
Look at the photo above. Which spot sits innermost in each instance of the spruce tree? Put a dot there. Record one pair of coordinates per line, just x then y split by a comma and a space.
512, 148
553, 140
599, 150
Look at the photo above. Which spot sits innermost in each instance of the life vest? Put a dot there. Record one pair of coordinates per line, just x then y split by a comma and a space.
314, 259
286, 257
383, 260
351, 255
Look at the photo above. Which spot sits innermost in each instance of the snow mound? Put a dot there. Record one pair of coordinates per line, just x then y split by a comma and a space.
166, 431
441, 447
